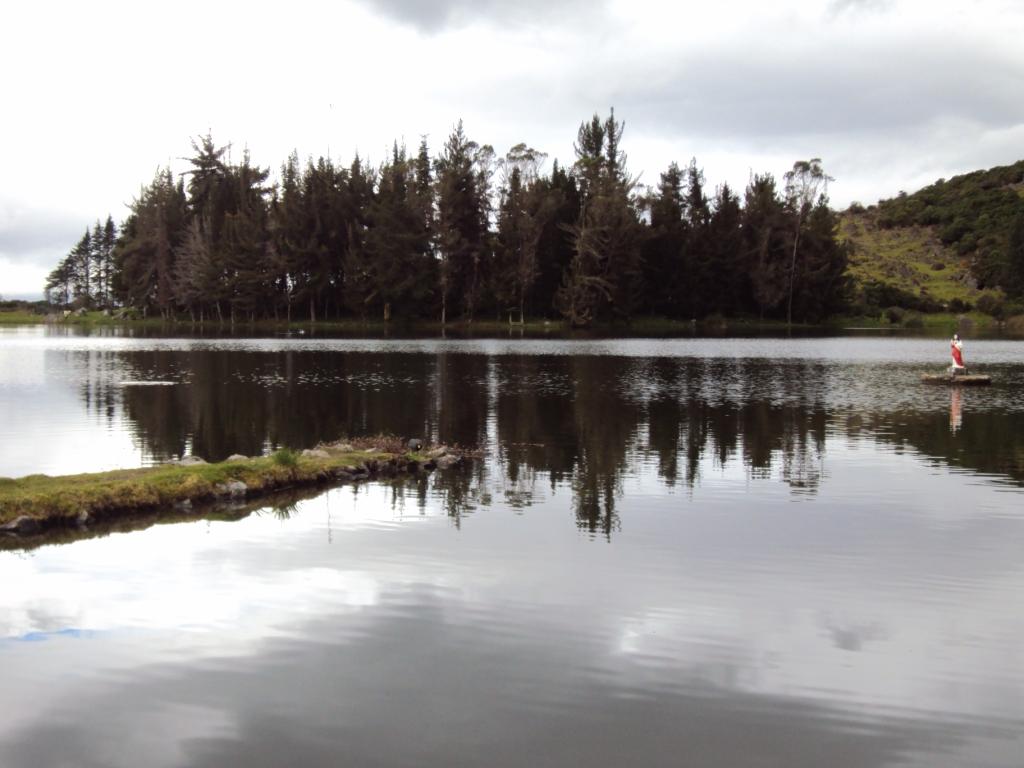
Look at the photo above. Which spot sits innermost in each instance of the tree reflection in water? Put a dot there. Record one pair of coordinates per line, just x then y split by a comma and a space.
584, 423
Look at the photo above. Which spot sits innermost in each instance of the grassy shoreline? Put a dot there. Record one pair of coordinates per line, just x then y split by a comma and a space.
29, 503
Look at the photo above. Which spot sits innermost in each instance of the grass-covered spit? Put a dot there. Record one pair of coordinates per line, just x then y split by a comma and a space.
27, 501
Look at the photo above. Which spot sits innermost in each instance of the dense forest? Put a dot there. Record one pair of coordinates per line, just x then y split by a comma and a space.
464, 235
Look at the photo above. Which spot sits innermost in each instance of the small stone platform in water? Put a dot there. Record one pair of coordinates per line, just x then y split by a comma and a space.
965, 379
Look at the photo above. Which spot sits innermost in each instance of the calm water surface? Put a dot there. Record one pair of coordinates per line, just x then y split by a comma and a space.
701, 552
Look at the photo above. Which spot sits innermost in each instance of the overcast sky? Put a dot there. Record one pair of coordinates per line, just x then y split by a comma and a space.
891, 94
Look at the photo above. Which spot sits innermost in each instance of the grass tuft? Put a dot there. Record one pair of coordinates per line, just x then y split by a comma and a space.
286, 457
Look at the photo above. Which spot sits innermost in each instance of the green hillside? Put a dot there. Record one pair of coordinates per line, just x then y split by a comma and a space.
946, 247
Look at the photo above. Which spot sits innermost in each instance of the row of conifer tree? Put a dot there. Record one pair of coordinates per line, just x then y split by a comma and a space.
461, 236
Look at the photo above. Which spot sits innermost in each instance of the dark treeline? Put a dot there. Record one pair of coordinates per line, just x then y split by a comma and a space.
461, 236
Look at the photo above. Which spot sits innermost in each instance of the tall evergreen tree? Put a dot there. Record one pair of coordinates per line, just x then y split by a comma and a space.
461, 224
698, 249
289, 235
390, 270
664, 246
210, 199
103, 238
725, 238
423, 188
523, 215
525, 208
246, 246
764, 235
197, 277
605, 274
59, 283
81, 265
145, 253
555, 246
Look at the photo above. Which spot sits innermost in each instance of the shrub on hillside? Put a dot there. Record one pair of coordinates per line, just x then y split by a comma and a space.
1015, 325
877, 295
894, 315
991, 304
913, 320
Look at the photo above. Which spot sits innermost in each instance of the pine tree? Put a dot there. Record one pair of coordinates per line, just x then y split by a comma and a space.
698, 267
287, 229
102, 243
81, 265
211, 197
663, 248
422, 190
525, 209
245, 242
144, 255
59, 283
725, 292
605, 275
461, 223
196, 277
555, 246
96, 265
765, 243
390, 272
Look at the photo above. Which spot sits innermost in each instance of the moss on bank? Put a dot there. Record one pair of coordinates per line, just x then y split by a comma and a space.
78, 498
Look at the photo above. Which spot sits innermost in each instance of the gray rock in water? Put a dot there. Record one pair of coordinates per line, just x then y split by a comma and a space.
415, 445
237, 457
316, 453
82, 519
21, 524
447, 461
189, 461
235, 489
184, 505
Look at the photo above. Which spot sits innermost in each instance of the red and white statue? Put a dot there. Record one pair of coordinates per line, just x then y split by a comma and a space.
956, 349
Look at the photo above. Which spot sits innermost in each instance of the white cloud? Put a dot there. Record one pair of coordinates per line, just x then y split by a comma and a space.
890, 94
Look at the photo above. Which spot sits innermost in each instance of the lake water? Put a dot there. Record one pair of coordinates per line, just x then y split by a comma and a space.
700, 552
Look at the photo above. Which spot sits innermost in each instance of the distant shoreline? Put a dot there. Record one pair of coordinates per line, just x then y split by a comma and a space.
928, 323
